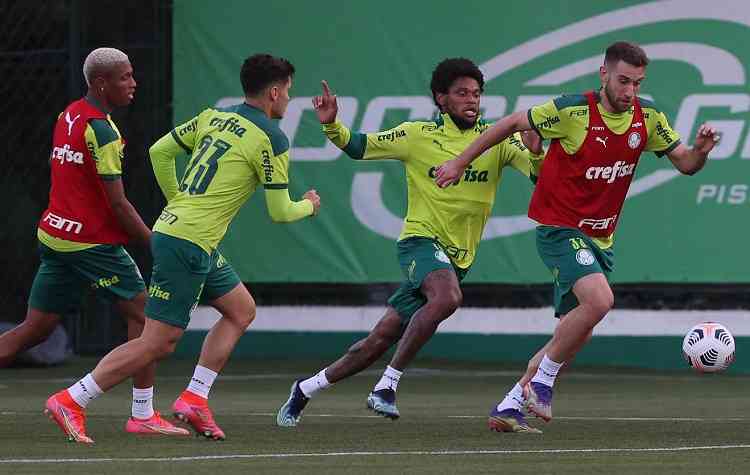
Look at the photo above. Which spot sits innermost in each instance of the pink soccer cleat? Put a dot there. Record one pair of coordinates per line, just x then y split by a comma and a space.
71, 417
154, 425
194, 410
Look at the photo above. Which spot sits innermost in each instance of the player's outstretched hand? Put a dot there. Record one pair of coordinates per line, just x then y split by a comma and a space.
312, 195
532, 141
706, 138
448, 173
325, 106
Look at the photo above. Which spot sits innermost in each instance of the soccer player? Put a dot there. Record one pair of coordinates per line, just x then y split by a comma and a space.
441, 231
82, 231
596, 141
233, 151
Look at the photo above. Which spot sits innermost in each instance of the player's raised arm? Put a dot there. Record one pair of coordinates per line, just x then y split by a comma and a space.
690, 160
451, 170
388, 144
325, 105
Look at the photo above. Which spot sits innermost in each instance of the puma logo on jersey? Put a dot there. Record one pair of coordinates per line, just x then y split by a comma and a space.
71, 122
603, 140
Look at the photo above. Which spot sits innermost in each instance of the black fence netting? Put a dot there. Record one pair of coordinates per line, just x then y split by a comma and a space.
42, 48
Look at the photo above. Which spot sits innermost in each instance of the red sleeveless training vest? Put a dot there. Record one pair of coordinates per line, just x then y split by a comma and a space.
586, 190
78, 206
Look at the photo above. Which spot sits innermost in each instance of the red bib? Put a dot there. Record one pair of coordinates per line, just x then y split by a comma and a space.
586, 190
78, 206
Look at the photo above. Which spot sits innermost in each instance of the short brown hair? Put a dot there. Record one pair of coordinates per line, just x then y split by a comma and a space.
260, 70
631, 53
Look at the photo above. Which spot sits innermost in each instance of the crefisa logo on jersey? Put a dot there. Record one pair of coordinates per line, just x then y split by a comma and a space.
66, 154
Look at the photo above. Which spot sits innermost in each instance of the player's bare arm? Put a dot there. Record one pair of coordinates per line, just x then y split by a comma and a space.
126, 214
689, 160
532, 141
452, 170
325, 105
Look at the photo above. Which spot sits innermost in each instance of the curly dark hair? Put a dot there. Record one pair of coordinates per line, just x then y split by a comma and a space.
448, 70
260, 70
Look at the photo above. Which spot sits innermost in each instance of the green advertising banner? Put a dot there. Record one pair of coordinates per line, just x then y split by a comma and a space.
378, 58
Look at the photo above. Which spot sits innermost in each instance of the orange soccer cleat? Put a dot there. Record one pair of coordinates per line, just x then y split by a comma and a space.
71, 417
194, 410
154, 425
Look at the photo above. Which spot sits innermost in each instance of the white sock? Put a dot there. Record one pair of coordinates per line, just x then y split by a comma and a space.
85, 391
547, 372
203, 379
312, 385
143, 403
512, 400
389, 380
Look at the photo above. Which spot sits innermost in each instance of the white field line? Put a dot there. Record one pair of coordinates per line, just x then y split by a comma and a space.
376, 454
688, 375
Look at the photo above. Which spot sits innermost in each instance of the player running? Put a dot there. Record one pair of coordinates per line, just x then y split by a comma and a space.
597, 139
82, 232
233, 151
441, 231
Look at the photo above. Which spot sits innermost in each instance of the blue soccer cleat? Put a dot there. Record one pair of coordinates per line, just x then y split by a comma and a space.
510, 420
538, 398
383, 402
291, 412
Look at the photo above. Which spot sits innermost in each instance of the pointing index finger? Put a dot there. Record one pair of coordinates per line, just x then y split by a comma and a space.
326, 89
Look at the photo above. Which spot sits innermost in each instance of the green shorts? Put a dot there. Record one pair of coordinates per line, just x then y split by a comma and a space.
418, 257
182, 273
569, 254
62, 276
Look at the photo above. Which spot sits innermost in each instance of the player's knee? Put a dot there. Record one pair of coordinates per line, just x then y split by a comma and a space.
450, 301
163, 350
249, 316
602, 302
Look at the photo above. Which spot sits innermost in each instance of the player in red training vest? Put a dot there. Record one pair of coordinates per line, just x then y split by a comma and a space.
596, 141
82, 232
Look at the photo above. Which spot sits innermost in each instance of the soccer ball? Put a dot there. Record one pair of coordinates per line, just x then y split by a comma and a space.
708, 347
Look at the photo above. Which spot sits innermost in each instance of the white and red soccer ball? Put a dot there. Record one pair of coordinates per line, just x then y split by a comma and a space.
708, 347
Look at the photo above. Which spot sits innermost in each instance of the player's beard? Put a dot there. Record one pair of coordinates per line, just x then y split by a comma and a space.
613, 100
462, 123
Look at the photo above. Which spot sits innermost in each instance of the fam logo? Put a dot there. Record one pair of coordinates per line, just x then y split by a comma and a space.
721, 96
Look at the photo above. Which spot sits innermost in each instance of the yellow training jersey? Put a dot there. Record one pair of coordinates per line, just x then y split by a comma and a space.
456, 215
232, 151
